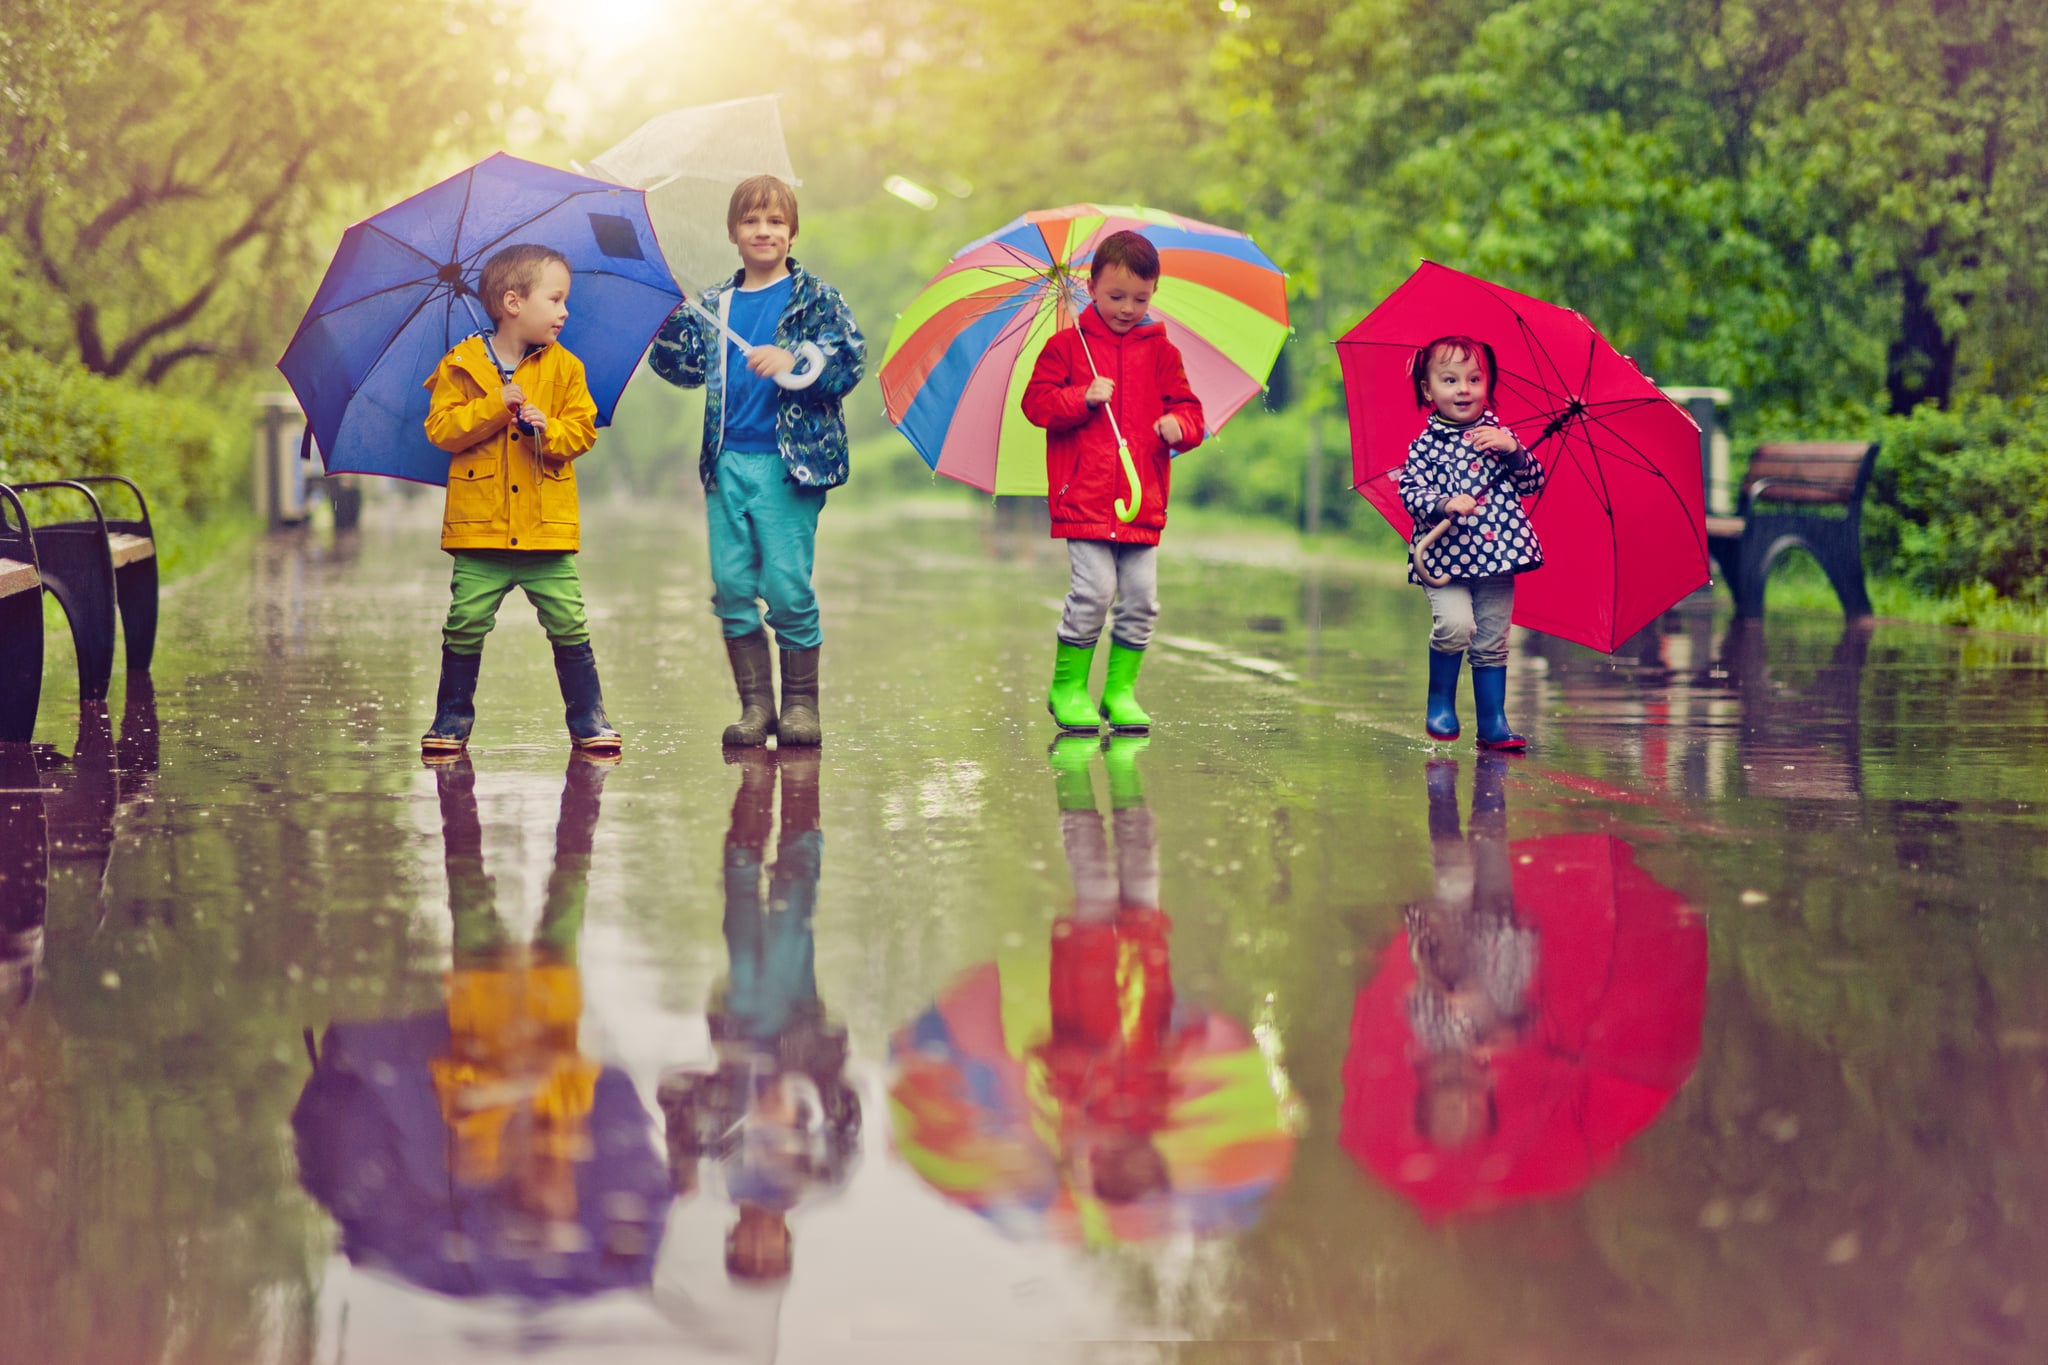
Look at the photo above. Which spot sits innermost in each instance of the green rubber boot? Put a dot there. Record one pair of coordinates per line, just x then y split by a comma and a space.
1068, 698
1120, 761
1119, 691
1069, 756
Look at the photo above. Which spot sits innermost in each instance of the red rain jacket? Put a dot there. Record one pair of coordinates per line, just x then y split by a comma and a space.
1083, 476
1112, 1006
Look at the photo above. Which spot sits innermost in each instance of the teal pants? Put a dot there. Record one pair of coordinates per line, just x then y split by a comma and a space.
764, 534
483, 577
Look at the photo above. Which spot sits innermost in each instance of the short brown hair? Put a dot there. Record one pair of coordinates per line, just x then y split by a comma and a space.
1128, 250
516, 270
760, 192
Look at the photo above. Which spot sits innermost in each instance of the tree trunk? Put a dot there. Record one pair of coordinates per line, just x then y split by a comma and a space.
1920, 364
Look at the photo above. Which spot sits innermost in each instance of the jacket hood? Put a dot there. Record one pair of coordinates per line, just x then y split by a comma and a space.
1091, 323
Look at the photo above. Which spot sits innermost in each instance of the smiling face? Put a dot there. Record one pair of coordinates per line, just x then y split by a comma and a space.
1121, 297
1455, 383
537, 316
763, 234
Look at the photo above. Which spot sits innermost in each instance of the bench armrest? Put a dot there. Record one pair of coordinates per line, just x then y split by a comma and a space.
50, 485
141, 503
16, 533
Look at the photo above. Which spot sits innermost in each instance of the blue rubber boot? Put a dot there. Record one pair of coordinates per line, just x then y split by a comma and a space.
454, 707
1442, 720
1068, 698
1489, 697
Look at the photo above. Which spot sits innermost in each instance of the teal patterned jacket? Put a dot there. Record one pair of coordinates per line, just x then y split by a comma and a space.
809, 429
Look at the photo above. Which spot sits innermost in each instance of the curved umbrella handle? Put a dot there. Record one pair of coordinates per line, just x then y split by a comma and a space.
1128, 512
810, 363
1416, 552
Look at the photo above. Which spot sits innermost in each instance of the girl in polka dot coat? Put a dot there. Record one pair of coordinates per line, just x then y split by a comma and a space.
1468, 469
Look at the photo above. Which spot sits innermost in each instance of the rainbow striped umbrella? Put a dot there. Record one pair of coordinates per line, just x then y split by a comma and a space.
963, 351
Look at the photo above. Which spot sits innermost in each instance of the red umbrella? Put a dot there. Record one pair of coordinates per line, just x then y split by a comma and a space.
1612, 1032
1623, 515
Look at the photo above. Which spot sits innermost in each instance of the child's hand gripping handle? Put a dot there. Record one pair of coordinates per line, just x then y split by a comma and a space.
1126, 512
810, 357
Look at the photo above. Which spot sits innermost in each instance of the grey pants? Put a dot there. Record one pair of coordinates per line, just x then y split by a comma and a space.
1471, 616
1105, 572
1100, 886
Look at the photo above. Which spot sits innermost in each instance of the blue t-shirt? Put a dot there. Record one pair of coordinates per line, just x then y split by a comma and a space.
749, 399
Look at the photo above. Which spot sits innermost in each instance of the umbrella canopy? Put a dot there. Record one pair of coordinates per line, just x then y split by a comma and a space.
401, 291
969, 1104
1622, 517
1618, 996
962, 352
375, 1150
688, 161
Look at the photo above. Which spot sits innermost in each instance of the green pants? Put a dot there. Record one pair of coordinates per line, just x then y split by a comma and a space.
483, 577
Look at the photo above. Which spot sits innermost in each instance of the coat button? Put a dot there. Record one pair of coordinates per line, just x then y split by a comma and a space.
515, 436
515, 488
515, 540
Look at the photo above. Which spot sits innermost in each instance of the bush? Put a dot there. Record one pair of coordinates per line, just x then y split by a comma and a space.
1959, 500
57, 419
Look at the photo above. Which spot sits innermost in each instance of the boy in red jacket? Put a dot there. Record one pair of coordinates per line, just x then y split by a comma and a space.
1113, 397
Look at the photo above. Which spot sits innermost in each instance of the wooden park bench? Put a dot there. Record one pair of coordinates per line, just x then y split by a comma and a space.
21, 623
93, 566
1814, 490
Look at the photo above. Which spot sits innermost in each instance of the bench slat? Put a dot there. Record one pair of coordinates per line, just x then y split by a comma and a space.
1725, 527
126, 548
16, 576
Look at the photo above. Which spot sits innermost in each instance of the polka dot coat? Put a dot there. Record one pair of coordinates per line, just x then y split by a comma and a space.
1497, 538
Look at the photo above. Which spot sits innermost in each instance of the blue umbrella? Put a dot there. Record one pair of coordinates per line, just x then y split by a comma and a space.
375, 1151
401, 292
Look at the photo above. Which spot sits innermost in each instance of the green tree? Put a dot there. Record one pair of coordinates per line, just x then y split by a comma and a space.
180, 152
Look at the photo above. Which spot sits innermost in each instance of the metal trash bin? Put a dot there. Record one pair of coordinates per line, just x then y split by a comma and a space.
1705, 406
280, 482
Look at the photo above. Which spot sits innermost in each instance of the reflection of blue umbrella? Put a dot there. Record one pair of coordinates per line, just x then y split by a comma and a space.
400, 293
374, 1150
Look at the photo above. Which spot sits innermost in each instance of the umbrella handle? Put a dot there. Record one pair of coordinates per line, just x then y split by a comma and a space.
1421, 546
1127, 512
810, 357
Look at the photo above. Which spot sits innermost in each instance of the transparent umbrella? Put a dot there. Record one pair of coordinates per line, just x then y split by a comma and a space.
687, 162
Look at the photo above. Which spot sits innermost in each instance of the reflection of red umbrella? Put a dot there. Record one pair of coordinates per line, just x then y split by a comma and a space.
1613, 1031
1623, 516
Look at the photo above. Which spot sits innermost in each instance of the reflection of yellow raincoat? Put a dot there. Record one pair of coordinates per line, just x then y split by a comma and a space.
512, 1029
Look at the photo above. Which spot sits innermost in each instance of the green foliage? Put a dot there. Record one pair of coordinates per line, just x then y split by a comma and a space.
190, 461
1959, 502
179, 154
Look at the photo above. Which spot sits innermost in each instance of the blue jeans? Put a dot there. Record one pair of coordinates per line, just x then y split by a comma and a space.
764, 532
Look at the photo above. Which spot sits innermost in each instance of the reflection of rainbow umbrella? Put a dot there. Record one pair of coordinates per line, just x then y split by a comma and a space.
1614, 1031
961, 354
972, 1115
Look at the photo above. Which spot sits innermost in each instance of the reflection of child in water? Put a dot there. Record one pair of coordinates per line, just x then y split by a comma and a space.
1112, 987
515, 1089
1474, 965
777, 1114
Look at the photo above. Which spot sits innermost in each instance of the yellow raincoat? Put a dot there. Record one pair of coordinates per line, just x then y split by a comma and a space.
503, 494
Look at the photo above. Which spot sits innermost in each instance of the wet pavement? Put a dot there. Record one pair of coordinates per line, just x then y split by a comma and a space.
1715, 1029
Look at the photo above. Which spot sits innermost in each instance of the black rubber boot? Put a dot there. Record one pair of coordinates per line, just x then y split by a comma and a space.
753, 673
799, 726
583, 701
454, 706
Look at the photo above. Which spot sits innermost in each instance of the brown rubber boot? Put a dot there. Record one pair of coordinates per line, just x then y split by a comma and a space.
754, 674
800, 725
